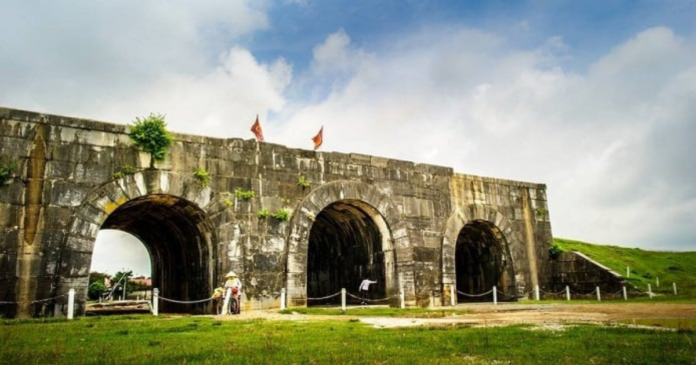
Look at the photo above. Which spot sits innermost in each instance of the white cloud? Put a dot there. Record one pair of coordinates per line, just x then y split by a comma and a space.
465, 99
107, 61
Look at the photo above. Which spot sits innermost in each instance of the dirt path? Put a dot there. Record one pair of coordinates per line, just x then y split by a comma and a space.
505, 314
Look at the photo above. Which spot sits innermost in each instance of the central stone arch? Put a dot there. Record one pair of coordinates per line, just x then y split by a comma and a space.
333, 209
170, 214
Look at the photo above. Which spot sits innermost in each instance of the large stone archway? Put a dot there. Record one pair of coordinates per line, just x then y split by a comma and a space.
171, 214
482, 223
371, 203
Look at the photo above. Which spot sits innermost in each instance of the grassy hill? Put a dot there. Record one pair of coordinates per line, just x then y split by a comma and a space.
644, 266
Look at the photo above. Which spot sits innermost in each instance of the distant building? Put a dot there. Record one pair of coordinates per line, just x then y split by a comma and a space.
142, 281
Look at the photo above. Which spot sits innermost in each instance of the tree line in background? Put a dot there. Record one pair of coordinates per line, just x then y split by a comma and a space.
98, 283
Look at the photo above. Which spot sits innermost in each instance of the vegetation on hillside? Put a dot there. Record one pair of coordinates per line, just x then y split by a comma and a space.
645, 267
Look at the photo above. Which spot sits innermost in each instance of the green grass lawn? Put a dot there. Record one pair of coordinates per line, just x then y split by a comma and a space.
204, 340
645, 266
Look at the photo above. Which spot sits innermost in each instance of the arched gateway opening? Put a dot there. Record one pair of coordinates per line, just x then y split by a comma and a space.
179, 239
482, 263
346, 245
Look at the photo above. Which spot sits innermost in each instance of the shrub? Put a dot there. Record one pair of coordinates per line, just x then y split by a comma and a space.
262, 214
282, 215
302, 182
150, 134
6, 170
202, 176
555, 251
124, 171
244, 194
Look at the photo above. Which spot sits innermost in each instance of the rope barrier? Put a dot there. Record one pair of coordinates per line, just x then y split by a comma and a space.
552, 293
185, 302
369, 300
475, 295
35, 301
326, 297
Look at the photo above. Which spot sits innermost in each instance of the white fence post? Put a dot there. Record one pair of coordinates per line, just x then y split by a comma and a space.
567, 292
599, 295
226, 303
282, 298
650, 294
495, 296
343, 299
402, 298
674, 286
453, 299
71, 303
155, 302
625, 295
536, 292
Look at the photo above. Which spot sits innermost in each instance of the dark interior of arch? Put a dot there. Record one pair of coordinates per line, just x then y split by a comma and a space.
345, 247
175, 232
481, 263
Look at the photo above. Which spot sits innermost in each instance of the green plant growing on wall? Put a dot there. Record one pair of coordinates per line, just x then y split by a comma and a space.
302, 182
244, 194
282, 215
541, 212
124, 171
262, 214
202, 176
150, 134
6, 170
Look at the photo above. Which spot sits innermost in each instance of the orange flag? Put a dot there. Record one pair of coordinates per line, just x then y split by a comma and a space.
256, 129
319, 138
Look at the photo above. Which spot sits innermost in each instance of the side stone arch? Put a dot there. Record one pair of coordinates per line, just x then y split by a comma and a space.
89, 217
457, 221
382, 209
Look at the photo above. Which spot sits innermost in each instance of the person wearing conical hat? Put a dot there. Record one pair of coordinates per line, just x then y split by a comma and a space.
235, 285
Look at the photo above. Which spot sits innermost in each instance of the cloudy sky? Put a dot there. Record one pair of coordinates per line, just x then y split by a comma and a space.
597, 99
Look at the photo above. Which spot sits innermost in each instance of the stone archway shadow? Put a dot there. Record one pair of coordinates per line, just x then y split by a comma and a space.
141, 204
372, 201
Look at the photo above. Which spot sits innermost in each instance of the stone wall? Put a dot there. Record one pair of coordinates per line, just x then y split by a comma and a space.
67, 187
583, 275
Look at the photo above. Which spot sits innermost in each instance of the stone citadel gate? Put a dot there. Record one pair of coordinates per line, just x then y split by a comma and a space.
417, 228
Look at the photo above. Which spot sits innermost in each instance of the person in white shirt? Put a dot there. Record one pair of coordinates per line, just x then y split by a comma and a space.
235, 285
364, 288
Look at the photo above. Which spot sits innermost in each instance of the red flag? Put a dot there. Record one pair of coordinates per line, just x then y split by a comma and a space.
256, 129
319, 138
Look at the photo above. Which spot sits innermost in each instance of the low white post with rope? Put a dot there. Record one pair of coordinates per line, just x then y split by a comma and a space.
599, 295
282, 298
71, 303
402, 299
536, 292
452, 297
650, 294
495, 296
155, 302
674, 286
568, 293
625, 294
343, 299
